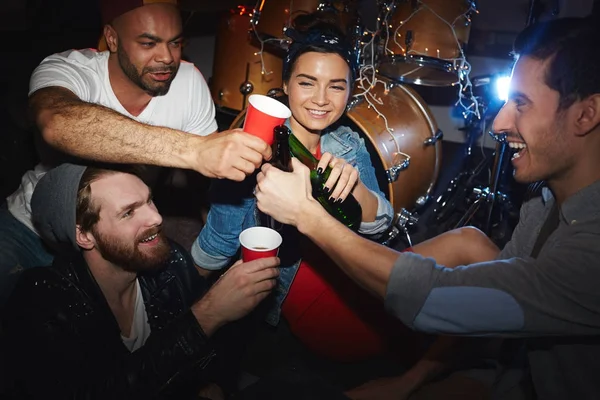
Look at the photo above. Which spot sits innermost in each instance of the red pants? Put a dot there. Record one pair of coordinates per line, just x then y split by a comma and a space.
336, 318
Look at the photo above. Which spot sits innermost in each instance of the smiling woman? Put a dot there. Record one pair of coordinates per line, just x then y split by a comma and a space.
346, 323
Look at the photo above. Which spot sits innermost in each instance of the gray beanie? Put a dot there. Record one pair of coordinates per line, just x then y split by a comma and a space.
54, 203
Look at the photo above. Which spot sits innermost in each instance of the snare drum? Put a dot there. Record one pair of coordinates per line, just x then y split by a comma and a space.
414, 133
237, 68
421, 42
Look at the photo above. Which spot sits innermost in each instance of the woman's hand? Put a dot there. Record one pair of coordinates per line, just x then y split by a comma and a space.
343, 177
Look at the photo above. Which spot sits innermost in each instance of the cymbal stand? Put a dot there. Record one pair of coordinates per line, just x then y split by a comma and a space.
488, 197
486, 206
459, 186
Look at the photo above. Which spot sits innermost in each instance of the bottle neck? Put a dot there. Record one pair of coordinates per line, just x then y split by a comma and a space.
301, 153
281, 149
310, 139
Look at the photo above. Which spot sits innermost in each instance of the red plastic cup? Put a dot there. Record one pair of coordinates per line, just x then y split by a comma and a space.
262, 115
259, 242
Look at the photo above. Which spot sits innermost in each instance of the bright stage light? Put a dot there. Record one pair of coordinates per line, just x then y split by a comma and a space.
502, 86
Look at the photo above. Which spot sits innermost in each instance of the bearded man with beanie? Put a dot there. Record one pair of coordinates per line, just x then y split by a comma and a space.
122, 313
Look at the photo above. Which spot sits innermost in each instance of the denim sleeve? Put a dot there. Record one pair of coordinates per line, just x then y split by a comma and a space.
385, 212
384, 218
232, 206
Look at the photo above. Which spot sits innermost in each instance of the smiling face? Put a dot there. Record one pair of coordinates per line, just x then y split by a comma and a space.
129, 230
318, 91
537, 130
147, 41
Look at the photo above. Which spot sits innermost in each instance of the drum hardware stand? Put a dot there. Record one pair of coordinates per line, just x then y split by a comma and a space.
462, 190
488, 196
446, 202
403, 221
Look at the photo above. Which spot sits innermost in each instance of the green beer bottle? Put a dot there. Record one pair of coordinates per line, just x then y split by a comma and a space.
349, 211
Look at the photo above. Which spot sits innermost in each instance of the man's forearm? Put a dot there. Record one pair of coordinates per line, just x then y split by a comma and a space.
98, 133
366, 262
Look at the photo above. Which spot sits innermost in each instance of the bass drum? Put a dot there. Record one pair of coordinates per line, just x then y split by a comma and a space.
237, 67
407, 160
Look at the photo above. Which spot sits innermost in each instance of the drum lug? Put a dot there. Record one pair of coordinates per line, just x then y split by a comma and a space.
246, 88
255, 14
406, 219
352, 103
434, 139
393, 173
275, 92
422, 200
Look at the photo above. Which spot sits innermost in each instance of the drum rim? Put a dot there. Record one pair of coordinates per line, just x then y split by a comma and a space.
422, 61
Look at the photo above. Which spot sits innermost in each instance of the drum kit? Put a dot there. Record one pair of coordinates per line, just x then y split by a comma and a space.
415, 42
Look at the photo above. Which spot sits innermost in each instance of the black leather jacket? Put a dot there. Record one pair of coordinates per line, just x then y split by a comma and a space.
64, 342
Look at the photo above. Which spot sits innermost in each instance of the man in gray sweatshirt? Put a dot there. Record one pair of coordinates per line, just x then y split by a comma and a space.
543, 286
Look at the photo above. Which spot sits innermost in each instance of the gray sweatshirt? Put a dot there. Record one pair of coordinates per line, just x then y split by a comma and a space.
553, 300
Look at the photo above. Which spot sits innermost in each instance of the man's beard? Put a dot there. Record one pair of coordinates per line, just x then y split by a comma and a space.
160, 88
128, 255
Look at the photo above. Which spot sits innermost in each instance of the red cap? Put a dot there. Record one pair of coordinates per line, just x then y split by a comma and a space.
111, 9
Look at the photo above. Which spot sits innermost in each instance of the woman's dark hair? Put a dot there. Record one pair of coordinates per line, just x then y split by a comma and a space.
305, 40
571, 45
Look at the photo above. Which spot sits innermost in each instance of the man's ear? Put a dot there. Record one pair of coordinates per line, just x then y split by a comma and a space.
588, 114
85, 240
285, 88
111, 37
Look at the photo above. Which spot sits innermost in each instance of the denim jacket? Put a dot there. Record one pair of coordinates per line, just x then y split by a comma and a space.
233, 209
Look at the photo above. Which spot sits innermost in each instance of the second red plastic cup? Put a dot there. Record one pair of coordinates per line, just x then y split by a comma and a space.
259, 242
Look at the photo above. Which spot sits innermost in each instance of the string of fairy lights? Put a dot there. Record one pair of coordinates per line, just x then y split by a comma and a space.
369, 51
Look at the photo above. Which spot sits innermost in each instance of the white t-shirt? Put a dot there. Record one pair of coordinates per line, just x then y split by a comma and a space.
140, 328
187, 106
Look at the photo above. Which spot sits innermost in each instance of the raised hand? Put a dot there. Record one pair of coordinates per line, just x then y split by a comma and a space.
282, 195
343, 177
237, 292
231, 154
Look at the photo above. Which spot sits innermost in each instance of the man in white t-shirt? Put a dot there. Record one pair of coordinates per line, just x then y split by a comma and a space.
135, 103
